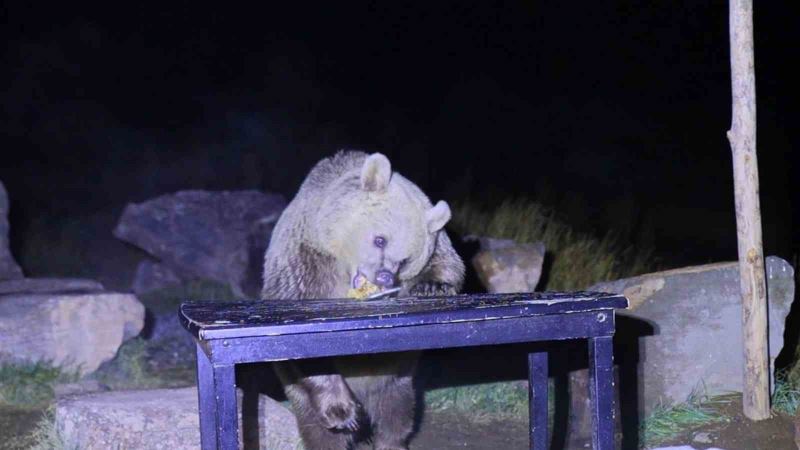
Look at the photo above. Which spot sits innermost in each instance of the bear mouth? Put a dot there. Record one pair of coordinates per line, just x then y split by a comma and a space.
374, 291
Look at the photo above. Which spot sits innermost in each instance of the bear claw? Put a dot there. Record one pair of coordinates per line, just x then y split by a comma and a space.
431, 288
341, 416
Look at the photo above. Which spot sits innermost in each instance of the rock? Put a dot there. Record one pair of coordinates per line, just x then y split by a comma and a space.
504, 266
9, 269
206, 235
151, 275
160, 419
696, 315
702, 438
173, 342
682, 332
75, 331
49, 285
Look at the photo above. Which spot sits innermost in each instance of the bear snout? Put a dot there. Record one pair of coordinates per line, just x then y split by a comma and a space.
384, 279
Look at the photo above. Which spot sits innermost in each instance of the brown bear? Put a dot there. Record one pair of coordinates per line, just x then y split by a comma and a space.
354, 219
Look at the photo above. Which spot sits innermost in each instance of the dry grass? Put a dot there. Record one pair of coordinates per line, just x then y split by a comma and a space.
30, 385
578, 259
786, 397
499, 400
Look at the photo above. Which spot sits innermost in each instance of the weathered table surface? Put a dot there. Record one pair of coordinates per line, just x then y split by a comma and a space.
218, 320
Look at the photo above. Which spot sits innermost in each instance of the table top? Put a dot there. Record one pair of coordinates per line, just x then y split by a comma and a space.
224, 320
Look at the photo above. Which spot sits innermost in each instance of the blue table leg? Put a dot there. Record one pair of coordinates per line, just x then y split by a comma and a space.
206, 403
601, 391
537, 400
216, 392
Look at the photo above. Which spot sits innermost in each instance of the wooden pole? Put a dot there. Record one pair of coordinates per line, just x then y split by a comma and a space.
742, 137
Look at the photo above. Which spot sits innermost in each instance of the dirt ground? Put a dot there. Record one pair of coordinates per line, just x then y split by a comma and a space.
16, 424
739, 433
444, 431
439, 431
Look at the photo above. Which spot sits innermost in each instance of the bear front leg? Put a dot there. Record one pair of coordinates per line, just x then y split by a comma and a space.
317, 437
325, 396
392, 413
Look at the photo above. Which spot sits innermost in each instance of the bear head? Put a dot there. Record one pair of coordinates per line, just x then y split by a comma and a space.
378, 224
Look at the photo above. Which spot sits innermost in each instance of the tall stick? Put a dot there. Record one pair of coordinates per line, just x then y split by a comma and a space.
742, 137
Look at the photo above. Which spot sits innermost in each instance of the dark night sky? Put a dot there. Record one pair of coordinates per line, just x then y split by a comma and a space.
614, 113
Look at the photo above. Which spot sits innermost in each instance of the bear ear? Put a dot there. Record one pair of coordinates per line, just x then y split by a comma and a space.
437, 216
376, 172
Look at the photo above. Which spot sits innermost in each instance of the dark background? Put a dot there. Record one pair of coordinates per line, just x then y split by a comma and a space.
612, 113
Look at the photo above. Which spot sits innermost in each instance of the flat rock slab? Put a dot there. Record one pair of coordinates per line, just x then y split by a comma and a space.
75, 331
696, 318
160, 419
49, 285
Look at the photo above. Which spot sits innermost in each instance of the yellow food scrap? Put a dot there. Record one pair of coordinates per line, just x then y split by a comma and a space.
365, 289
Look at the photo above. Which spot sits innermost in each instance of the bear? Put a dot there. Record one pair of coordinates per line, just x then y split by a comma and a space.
354, 219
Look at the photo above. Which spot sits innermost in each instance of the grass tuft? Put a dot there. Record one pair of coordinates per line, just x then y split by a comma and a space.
578, 259
128, 370
31, 384
786, 398
497, 400
667, 422
131, 369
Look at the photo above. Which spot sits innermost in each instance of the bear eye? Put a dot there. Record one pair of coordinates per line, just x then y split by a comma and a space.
379, 241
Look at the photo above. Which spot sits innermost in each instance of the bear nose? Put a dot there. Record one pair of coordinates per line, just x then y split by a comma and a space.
384, 278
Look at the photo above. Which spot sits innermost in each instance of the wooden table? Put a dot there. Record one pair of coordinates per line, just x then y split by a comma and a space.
229, 333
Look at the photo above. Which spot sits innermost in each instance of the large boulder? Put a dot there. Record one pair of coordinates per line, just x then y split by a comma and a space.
696, 316
161, 419
9, 269
219, 236
681, 334
505, 266
75, 331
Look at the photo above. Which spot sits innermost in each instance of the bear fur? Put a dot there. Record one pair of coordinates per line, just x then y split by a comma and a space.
354, 217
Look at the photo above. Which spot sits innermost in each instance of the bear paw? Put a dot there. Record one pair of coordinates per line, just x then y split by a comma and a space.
431, 288
340, 414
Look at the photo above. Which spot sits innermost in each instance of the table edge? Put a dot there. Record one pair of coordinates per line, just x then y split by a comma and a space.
609, 302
